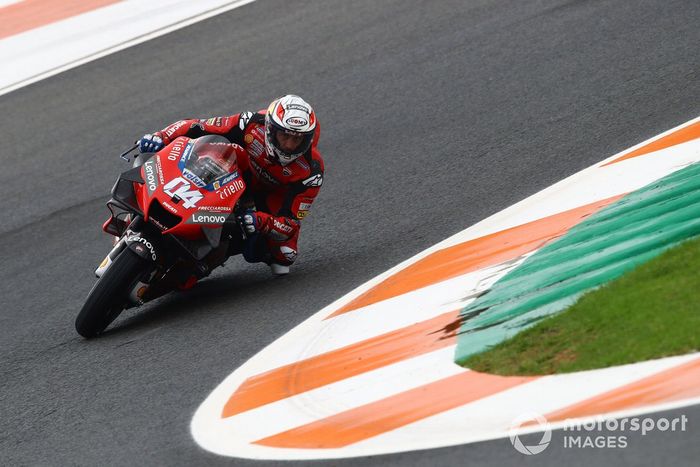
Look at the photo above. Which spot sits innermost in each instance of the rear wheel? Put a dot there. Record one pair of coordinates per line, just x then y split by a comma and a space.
109, 294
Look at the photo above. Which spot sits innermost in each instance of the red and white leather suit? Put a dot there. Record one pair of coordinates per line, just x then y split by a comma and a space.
282, 194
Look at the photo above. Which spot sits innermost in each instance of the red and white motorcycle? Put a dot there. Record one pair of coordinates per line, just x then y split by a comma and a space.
174, 217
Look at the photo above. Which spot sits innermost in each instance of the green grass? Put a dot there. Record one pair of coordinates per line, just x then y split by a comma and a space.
650, 312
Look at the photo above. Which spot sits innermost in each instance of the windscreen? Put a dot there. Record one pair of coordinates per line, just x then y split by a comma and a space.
211, 158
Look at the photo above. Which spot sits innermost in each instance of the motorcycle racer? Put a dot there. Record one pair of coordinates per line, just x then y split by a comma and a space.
281, 166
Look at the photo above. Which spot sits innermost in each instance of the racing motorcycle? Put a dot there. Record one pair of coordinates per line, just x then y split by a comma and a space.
173, 219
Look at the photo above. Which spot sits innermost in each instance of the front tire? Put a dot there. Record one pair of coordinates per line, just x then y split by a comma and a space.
108, 296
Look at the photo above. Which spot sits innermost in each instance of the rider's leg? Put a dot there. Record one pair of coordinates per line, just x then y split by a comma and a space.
283, 254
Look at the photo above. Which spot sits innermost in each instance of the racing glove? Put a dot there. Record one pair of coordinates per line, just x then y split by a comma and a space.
249, 221
279, 229
151, 143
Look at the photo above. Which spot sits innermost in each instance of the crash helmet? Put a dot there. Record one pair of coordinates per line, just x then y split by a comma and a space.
289, 128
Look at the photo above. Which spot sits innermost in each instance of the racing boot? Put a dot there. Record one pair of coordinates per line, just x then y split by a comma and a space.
285, 256
279, 269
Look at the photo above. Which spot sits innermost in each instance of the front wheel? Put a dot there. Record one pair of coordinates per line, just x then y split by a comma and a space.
109, 294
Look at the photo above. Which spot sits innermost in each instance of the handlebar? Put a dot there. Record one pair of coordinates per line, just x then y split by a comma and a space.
124, 154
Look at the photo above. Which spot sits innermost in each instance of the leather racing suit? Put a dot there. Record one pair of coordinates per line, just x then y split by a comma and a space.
282, 195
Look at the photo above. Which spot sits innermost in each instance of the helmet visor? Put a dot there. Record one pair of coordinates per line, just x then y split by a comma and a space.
288, 141
288, 145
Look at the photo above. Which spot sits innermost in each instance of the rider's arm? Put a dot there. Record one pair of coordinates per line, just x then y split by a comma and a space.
298, 201
194, 128
295, 205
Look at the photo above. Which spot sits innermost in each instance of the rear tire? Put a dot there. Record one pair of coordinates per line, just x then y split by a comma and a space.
108, 296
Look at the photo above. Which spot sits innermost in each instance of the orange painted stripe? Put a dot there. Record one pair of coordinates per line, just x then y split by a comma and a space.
393, 412
674, 384
30, 14
475, 254
327, 368
683, 135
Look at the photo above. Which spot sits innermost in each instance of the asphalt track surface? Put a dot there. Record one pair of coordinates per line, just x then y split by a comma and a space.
435, 115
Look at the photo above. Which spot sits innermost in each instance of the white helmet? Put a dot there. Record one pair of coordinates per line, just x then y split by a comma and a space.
289, 117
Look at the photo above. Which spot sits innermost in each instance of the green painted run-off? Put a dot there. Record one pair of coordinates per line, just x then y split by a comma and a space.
610, 242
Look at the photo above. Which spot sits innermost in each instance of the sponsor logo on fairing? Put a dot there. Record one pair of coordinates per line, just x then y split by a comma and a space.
189, 175
229, 178
215, 208
231, 189
186, 154
180, 188
159, 170
304, 206
302, 214
207, 218
176, 150
135, 238
157, 223
224, 181
169, 207
150, 172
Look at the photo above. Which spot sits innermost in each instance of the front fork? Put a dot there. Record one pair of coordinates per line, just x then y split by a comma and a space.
143, 247
111, 256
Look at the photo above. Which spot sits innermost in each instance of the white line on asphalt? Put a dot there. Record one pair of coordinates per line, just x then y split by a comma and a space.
4, 3
121, 46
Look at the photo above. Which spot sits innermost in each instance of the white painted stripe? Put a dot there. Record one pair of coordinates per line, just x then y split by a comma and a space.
338, 397
319, 336
481, 420
46, 51
4, 3
491, 417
